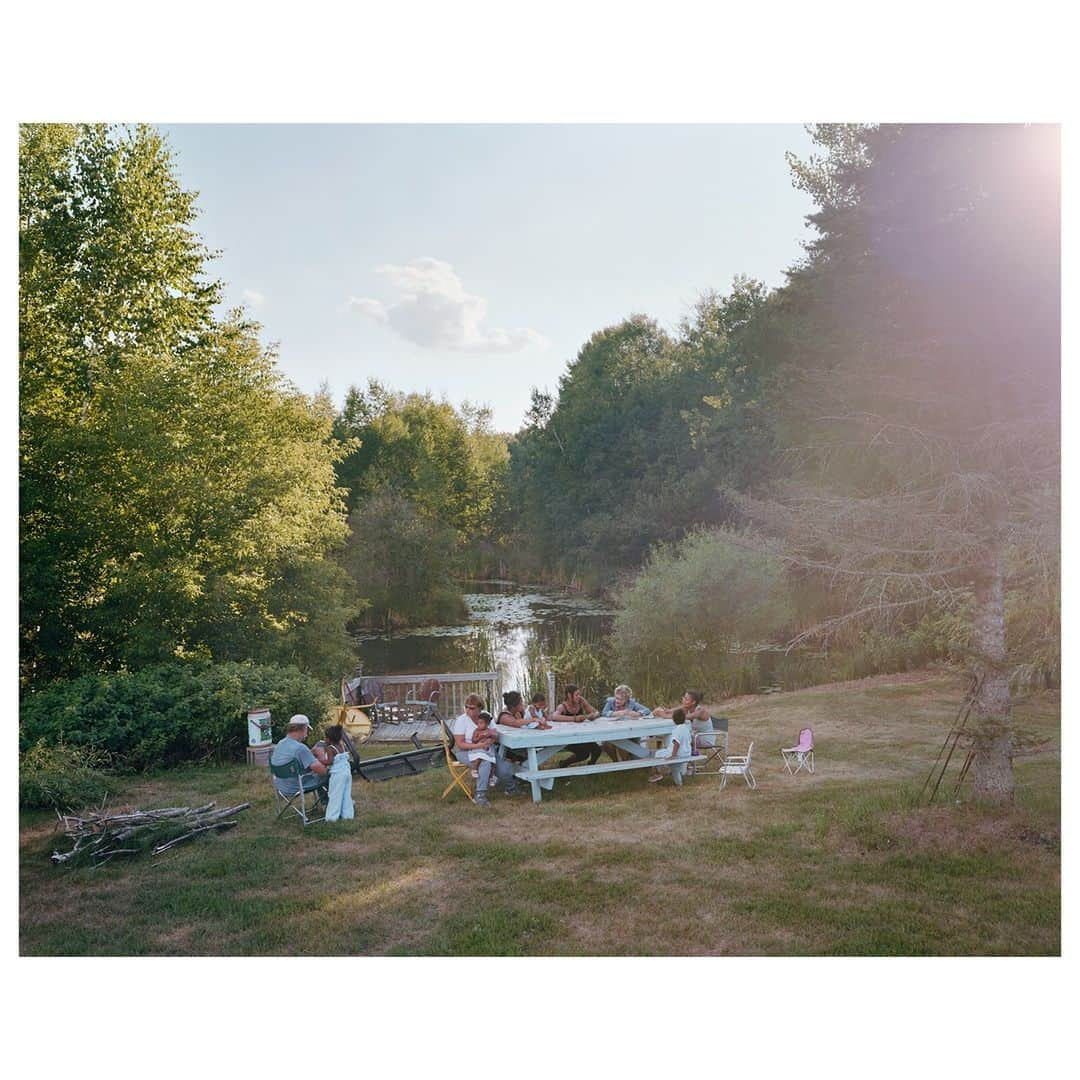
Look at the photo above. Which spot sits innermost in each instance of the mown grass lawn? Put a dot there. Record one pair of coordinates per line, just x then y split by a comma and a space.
835, 863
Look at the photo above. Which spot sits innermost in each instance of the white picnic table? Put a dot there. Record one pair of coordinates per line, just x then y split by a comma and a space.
541, 744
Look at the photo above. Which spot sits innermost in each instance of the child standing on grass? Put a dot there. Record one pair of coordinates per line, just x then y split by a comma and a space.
679, 748
334, 754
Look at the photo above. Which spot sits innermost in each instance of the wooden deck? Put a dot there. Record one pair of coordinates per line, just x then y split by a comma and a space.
401, 712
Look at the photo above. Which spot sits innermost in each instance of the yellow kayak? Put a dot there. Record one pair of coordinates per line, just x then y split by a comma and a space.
355, 721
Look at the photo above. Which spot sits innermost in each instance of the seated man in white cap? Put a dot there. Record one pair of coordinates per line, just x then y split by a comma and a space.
292, 747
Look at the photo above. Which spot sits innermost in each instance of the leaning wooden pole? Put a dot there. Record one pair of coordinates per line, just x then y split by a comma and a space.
954, 735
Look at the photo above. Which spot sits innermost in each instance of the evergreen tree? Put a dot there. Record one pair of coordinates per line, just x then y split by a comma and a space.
921, 408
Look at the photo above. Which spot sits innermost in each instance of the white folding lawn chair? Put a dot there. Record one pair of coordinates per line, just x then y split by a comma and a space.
738, 765
801, 756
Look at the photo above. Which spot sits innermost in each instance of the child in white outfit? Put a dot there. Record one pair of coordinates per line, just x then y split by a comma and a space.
536, 713
484, 734
681, 741
334, 754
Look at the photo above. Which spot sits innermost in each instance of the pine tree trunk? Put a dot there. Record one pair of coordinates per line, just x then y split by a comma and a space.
992, 765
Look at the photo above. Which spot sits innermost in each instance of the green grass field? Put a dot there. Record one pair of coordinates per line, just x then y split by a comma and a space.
835, 863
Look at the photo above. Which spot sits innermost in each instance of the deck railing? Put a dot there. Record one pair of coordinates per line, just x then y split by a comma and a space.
401, 692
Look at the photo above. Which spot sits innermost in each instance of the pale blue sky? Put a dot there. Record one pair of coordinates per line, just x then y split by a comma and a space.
559, 229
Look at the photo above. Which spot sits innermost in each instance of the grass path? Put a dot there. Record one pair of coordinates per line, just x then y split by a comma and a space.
835, 863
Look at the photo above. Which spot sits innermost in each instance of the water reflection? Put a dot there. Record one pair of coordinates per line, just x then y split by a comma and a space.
508, 624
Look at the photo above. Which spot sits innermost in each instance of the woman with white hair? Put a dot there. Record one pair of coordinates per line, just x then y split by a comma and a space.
622, 706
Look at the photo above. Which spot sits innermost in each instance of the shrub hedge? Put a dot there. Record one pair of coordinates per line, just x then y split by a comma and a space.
167, 714
62, 777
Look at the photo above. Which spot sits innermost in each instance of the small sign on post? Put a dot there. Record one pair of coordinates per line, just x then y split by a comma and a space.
260, 737
260, 732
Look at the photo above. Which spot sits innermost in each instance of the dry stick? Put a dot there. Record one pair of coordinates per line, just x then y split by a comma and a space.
963, 770
94, 833
212, 823
949, 735
194, 832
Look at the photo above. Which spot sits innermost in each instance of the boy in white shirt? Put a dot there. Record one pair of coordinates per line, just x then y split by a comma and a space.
681, 741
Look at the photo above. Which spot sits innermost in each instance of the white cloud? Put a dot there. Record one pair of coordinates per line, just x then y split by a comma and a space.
436, 312
253, 298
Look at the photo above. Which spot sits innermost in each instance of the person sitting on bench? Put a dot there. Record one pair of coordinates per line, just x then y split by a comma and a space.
576, 710
622, 706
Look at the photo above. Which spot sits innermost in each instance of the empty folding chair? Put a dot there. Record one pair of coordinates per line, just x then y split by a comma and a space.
801, 756
426, 700
738, 765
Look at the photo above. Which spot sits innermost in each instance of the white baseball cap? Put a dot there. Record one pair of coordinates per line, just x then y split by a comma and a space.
299, 718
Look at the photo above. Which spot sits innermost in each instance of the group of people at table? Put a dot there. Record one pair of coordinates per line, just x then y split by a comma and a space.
325, 768
475, 735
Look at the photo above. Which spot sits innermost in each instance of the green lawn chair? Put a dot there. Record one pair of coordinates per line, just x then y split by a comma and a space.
293, 770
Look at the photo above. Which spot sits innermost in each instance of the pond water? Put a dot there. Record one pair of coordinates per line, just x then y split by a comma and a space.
507, 625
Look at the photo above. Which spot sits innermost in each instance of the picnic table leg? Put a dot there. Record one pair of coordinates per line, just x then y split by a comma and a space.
633, 748
534, 767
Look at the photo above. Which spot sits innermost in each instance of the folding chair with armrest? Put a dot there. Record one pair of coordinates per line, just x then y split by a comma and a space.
802, 754
738, 765
713, 745
293, 770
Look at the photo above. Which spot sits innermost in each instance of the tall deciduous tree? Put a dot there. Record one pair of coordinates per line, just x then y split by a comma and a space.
646, 428
173, 488
447, 463
922, 411
426, 487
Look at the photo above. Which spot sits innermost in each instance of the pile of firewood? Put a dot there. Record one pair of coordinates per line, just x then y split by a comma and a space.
100, 837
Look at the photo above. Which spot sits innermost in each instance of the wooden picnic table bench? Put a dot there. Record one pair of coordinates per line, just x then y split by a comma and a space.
605, 767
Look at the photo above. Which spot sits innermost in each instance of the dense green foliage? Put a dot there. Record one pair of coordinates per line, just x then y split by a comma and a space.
54, 775
166, 714
402, 561
177, 497
647, 432
426, 486
693, 607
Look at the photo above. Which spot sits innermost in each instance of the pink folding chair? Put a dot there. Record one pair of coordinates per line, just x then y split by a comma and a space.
800, 756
